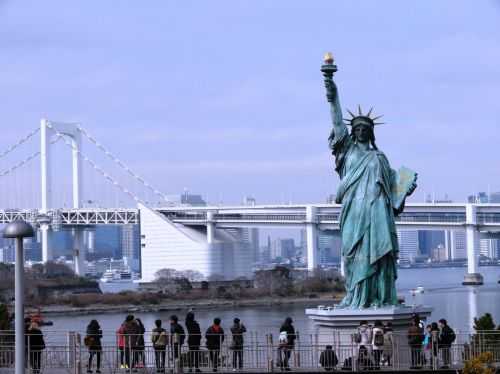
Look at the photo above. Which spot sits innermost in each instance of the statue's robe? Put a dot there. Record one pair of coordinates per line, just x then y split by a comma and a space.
369, 239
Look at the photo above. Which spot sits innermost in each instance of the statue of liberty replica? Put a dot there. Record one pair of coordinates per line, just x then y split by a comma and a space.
372, 195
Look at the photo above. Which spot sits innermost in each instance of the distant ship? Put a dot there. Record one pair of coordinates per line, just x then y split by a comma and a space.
118, 276
118, 280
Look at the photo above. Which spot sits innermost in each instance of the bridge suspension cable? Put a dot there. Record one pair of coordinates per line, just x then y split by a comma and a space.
19, 143
25, 160
120, 163
94, 165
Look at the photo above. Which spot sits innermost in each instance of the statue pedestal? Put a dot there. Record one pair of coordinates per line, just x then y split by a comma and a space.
348, 319
473, 279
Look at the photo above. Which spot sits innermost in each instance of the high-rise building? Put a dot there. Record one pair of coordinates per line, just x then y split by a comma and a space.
32, 249
250, 236
131, 245
408, 244
283, 248
329, 246
61, 243
456, 244
488, 248
108, 241
7, 251
429, 239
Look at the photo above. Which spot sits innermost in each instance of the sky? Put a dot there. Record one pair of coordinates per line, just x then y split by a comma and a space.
225, 98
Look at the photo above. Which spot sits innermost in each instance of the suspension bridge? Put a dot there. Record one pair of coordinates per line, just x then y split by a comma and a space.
51, 207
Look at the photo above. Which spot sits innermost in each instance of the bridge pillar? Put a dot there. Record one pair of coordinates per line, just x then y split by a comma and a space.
44, 239
472, 243
311, 237
210, 226
78, 251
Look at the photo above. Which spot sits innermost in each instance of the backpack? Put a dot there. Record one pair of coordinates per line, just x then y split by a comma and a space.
378, 339
88, 341
357, 337
159, 338
283, 339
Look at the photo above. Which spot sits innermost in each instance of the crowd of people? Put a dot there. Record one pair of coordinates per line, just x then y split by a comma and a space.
428, 345
376, 344
131, 343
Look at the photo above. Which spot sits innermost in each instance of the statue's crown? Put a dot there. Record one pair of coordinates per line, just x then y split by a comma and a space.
360, 118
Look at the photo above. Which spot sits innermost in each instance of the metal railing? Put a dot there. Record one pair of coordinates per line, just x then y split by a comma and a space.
263, 353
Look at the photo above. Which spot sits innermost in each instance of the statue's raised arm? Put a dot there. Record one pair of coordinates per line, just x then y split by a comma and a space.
332, 96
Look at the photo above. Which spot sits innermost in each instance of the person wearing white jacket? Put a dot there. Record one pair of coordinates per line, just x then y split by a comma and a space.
364, 335
377, 342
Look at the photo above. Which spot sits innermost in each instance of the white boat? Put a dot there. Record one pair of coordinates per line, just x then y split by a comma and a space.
118, 280
118, 276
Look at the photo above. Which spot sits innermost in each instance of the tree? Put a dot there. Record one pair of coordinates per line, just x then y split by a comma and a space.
277, 281
166, 274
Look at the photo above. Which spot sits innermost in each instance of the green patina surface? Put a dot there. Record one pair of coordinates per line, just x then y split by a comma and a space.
371, 194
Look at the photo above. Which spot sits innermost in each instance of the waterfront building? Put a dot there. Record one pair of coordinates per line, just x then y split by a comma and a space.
213, 252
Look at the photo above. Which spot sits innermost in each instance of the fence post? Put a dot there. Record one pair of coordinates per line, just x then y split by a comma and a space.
77, 347
256, 348
270, 361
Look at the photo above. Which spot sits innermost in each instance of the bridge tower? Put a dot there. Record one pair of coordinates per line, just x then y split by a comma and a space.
47, 130
312, 237
473, 277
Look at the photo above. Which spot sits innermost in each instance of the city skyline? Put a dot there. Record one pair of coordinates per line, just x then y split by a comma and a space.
227, 114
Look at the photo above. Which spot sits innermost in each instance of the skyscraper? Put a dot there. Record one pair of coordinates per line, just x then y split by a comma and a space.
329, 246
408, 244
130, 245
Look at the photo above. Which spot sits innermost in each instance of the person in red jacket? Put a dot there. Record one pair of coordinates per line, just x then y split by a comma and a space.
120, 340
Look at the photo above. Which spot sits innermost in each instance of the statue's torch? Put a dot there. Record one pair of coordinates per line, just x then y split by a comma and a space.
328, 69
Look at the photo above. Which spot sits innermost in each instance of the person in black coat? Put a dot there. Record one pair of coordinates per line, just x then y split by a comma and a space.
328, 359
238, 329
93, 341
139, 357
194, 341
285, 349
177, 336
35, 346
446, 338
214, 337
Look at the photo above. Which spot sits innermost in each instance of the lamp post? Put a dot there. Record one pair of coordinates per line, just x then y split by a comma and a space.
18, 230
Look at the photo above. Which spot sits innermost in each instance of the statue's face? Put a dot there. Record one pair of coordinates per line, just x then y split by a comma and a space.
362, 133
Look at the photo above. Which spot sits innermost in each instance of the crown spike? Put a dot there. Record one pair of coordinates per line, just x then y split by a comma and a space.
359, 110
376, 118
351, 113
369, 112
378, 123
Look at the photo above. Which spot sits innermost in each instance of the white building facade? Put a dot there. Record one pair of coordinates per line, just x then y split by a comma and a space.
165, 244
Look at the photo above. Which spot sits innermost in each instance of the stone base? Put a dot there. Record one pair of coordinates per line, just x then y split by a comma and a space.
343, 318
473, 279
